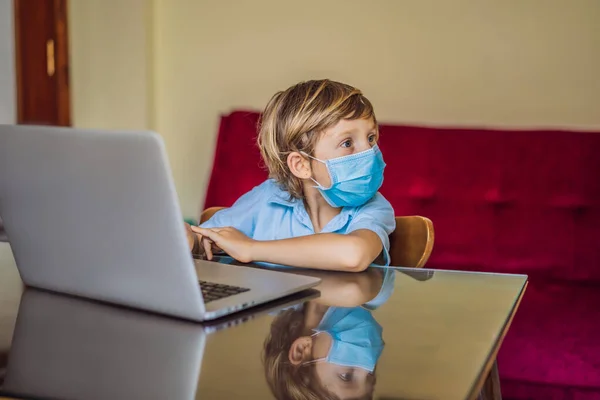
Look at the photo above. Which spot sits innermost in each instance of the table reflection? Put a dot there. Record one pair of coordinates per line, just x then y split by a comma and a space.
68, 348
323, 345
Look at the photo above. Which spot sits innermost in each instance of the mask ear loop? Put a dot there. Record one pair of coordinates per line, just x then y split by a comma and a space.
316, 360
319, 186
312, 361
314, 158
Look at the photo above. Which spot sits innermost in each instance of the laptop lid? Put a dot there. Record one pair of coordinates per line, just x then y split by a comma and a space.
96, 214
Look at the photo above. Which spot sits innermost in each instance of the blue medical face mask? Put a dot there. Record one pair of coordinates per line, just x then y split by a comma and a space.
355, 178
357, 340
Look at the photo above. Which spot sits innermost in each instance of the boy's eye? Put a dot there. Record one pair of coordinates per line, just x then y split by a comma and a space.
347, 143
372, 138
346, 376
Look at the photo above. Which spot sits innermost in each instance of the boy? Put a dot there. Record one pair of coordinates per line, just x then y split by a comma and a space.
321, 207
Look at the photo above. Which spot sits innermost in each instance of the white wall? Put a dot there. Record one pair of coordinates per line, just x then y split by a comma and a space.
8, 109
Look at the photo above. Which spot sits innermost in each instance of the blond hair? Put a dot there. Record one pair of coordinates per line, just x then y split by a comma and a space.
294, 119
288, 381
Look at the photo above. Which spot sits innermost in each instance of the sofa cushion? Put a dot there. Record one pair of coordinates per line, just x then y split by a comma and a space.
505, 201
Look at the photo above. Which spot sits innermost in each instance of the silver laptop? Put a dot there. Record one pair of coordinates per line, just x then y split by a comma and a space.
95, 214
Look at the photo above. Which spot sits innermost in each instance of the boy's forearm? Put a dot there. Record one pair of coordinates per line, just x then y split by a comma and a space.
329, 251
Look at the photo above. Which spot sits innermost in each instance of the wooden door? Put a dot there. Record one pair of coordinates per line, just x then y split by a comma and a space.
42, 62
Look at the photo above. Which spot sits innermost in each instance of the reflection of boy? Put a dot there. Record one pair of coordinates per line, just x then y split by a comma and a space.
311, 350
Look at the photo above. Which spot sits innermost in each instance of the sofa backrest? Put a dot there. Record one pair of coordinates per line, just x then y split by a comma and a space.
500, 200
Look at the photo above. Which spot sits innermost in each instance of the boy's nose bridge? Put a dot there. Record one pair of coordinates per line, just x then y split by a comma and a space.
362, 145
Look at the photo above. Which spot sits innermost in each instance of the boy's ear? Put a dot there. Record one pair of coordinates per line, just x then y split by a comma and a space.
299, 165
300, 350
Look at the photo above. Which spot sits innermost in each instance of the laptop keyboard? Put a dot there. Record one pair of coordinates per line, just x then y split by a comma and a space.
214, 291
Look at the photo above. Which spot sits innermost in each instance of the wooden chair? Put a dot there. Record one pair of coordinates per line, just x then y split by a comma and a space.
410, 244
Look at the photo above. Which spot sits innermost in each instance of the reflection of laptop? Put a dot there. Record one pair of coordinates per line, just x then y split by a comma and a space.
68, 348
95, 214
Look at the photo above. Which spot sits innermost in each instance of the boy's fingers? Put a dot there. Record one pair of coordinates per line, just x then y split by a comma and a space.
212, 234
207, 248
202, 231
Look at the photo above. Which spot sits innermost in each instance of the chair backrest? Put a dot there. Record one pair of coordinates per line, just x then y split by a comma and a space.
410, 244
208, 213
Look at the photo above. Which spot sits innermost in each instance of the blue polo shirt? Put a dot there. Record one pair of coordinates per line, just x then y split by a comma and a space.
268, 213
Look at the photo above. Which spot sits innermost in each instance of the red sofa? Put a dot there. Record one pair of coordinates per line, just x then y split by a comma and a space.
501, 201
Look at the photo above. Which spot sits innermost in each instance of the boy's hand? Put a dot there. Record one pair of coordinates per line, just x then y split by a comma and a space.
204, 246
230, 240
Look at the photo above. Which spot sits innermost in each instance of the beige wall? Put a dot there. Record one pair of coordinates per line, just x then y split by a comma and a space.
465, 62
110, 73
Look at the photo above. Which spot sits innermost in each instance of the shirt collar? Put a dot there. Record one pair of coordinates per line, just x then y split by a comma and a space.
340, 220
283, 198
